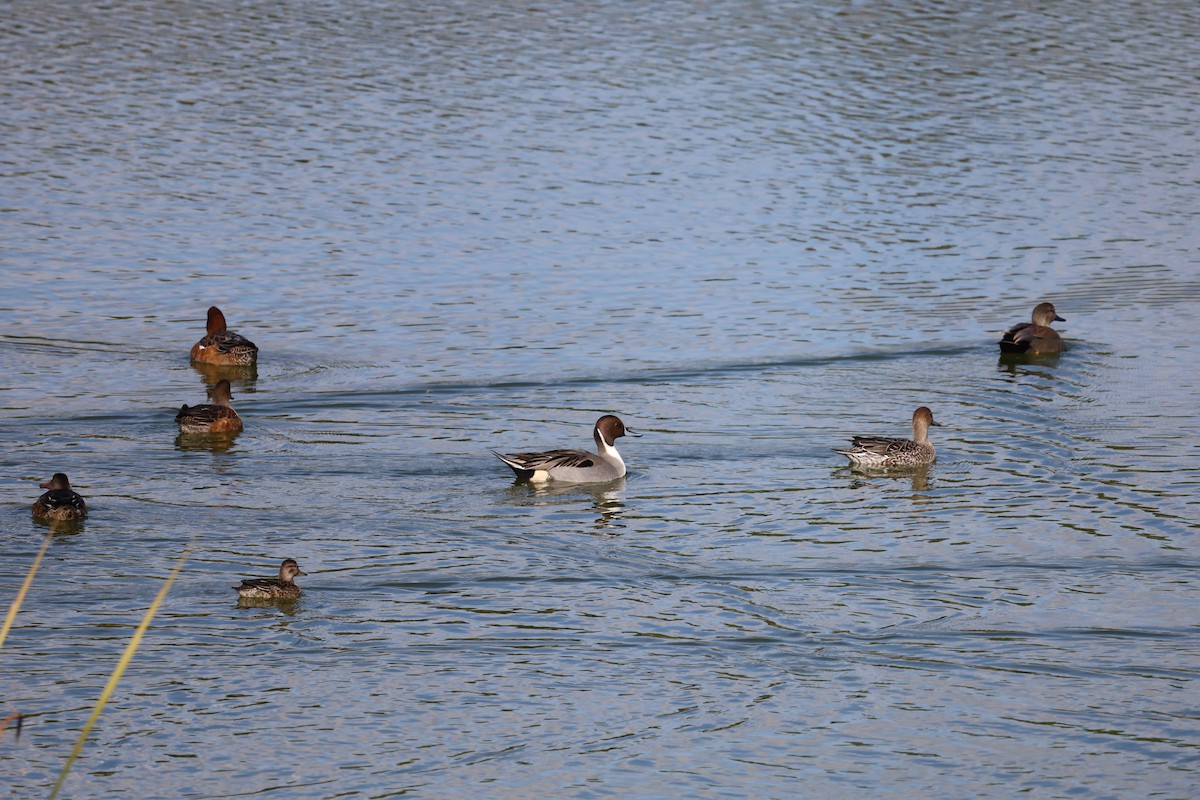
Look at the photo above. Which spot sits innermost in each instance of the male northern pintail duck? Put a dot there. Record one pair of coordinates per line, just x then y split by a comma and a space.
575, 466
1034, 337
879, 451
282, 588
222, 346
219, 417
61, 502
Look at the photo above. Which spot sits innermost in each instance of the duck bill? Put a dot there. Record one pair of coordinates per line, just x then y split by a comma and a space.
633, 433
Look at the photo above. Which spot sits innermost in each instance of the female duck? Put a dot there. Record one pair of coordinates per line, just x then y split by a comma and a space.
1035, 337
575, 466
222, 346
61, 503
219, 417
282, 588
878, 451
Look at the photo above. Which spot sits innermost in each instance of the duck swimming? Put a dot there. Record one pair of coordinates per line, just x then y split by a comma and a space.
61, 503
222, 346
282, 588
575, 466
1035, 337
880, 451
217, 417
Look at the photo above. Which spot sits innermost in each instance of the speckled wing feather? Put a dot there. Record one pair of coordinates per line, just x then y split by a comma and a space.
227, 342
261, 583
881, 444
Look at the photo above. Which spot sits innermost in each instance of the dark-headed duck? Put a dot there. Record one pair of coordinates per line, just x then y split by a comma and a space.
575, 466
61, 502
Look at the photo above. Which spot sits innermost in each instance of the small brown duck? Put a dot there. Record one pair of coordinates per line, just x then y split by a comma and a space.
61, 503
282, 588
222, 346
1036, 337
881, 451
219, 417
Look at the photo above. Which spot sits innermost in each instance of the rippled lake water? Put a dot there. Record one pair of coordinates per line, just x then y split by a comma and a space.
752, 231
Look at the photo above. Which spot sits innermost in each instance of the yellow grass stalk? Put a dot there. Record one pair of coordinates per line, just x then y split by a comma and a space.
126, 657
16, 604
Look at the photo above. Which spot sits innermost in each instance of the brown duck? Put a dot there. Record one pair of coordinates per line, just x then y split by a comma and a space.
282, 588
217, 417
61, 503
1035, 337
222, 346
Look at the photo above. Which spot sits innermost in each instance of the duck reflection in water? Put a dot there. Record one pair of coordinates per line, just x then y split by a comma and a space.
1018, 364
606, 498
919, 475
212, 442
243, 378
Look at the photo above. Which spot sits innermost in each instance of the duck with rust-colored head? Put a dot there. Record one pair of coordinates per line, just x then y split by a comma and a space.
217, 417
61, 502
1036, 337
882, 451
222, 346
575, 466
282, 588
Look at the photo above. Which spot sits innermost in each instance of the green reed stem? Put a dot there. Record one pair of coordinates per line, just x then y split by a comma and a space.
126, 657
